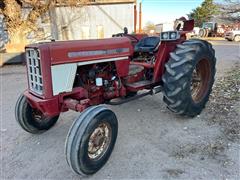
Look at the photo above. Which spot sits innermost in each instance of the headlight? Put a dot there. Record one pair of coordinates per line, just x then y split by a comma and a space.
173, 35
170, 36
165, 35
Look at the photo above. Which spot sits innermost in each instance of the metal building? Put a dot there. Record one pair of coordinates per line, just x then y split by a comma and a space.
99, 19
3, 33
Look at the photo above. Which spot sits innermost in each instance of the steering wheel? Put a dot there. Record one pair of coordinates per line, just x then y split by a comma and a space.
131, 37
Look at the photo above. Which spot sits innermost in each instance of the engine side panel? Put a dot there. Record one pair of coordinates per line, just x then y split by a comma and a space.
63, 75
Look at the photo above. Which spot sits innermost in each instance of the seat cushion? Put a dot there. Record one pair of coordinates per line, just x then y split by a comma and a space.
147, 44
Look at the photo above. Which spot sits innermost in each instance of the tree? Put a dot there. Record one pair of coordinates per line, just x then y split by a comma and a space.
149, 26
204, 12
20, 24
230, 10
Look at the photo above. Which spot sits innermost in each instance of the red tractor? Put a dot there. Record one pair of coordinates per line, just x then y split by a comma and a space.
80, 75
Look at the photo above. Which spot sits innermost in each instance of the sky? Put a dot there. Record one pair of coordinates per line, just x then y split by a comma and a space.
160, 11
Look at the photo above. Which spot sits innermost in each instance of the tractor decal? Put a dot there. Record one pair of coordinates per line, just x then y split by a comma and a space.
97, 52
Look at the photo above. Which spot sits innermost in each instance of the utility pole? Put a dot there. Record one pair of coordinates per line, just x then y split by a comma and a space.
135, 18
140, 17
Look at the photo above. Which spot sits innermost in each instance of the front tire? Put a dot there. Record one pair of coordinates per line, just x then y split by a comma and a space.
32, 120
91, 140
189, 77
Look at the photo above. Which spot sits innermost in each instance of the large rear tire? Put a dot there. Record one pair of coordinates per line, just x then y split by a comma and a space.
202, 32
189, 77
207, 33
91, 140
32, 120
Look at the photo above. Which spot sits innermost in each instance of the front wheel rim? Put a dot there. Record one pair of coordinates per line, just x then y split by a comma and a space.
99, 141
38, 116
200, 80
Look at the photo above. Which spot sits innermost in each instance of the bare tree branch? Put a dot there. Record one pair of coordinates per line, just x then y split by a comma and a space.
18, 25
230, 10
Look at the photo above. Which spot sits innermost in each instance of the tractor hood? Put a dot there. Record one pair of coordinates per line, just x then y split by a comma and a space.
61, 52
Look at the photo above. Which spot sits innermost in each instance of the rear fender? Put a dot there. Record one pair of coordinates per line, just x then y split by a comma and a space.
188, 25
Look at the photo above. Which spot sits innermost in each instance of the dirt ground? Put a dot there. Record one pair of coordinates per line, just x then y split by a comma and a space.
152, 143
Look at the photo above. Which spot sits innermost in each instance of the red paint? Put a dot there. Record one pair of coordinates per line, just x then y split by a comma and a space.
134, 78
135, 18
46, 71
140, 17
122, 67
162, 57
146, 65
49, 107
77, 93
76, 105
188, 25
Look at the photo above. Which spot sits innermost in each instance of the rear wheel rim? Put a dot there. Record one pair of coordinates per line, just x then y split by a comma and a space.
237, 38
99, 141
200, 80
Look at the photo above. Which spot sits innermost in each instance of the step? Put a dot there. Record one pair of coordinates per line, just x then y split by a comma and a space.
138, 85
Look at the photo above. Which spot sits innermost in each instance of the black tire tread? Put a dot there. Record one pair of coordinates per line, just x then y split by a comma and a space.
70, 138
77, 131
21, 104
22, 117
177, 76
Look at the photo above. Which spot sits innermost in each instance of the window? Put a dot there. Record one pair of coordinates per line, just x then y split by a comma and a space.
85, 32
100, 32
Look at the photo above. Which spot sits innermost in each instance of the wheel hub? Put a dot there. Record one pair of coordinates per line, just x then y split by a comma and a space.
200, 80
99, 141
37, 115
237, 38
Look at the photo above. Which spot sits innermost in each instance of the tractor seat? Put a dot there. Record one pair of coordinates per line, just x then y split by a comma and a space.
147, 44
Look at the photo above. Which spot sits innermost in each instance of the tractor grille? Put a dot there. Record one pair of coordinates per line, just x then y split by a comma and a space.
34, 71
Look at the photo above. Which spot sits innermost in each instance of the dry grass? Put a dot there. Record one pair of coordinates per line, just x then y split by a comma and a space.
224, 104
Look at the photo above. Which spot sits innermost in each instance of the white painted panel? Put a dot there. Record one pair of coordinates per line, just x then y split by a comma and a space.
63, 77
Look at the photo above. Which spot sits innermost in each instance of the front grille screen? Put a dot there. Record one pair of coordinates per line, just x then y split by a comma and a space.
34, 71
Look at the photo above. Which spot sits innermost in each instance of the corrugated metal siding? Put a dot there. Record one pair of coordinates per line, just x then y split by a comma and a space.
91, 21
3, 33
